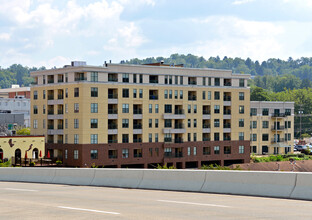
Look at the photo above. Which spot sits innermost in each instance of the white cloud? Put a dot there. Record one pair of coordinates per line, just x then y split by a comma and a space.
240, 2
5, 36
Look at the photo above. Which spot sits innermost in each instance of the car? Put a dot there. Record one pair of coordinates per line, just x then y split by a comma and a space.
299, 147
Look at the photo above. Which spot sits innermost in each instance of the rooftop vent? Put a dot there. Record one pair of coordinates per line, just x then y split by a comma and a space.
78, 63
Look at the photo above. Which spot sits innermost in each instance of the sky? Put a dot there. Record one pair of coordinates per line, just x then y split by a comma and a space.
51, 33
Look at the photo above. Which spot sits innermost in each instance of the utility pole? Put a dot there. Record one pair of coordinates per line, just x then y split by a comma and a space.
300, 115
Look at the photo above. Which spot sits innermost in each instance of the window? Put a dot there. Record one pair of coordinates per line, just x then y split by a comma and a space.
209, 95
254, 137
204, 95
289, 137
94, 92
112, 154
181, 94
168, 123
265, 137
150, 123
94, 108
66, 93
194, 151
94, 76
125, 138
150, 137
241, 123
176, 94
181, 80
176, 80
94, 123
227, 149
125, 93
66, 154
194, 137
94, 138
76, 107
156, 108
157, 151
125, 108
134, 93
254, 150
241, 109
43, 109
188, 123
166, 94
241, 96
156, 137
188, 136
44, 94
43, 123
125, 123
287, 111
217, 95
253, 111
241, 149
204, 81
170, 79
217, 81
241, 136
141, 93
134, 78
195, 123
76, 139
125, 153
265, 111
137, 152
156, 123
217, 109
241, 82
76, 92
195, 109
76, 123
141, 78
150, 108
94, 154
35, 95
170, 94
66, 108
188, 151
66, 123
76, 152
35, 109
189, 109
35, 123
265, 124
217, 123
168, 108
254, 124
125, 77
206, 151
166, 79
216, 136
216, 149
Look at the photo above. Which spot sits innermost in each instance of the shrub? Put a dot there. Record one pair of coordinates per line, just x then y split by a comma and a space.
32, 164
58, 162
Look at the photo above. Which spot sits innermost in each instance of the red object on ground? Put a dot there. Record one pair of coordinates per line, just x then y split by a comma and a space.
25, 154
48, 156
40, 154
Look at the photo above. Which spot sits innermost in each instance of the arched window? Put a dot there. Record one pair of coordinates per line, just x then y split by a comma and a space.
35, 154
18, 154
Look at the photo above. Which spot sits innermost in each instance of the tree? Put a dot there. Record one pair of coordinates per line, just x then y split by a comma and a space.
259, 94
23, 131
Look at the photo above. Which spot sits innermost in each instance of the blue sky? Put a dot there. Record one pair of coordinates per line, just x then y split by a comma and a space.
54, 32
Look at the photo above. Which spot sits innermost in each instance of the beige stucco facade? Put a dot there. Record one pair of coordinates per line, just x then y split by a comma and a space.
272, 127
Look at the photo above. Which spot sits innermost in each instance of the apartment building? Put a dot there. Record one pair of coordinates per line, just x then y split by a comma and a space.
120, 115
272, 127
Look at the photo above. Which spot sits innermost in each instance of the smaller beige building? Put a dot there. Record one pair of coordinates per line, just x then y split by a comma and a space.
15, 147
271, 127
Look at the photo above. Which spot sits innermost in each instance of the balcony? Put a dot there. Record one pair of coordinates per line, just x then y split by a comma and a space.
206, 139
80, 78
137, 111
112, 141
278, 140
173, 155
112, 126
50, 81
206, 112
60, 112
278, 115
112, 111
113, 79
60, 127
112, 96
174, 130
50, 112
227, 98
50, 127
227, 125
178, 140
137, 155
153, 81
192, 98
227, 112
206, 125
60, 96
137, 140
168, 139
227, 138
137, 126
153, 97
50, 97
278, 128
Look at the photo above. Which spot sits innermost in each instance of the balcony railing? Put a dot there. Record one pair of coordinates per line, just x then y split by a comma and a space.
227, 98
113, 96
278, 115
137, 155
60, 127
138, 140
60, 112
192, 97
277, 128
227, 125
179, 111
172, 155
50, 97
60, 141
112, 126
206, 139
80, 78
227, 138
137, 126
50, 127
60, 96
50, 141
206, 112
153, 97
167, 139
227, 112
112, 79
206, 125
50, 112
112, 111
153, 81
112, 156
137, 111
60, 80
50, 81
227, 84
278, 140
112, 141
178, 140
192, 83
179, 126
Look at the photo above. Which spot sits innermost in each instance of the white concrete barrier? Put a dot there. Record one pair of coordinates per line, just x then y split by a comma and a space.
181, 180
303, 188
273, 184
38, 175
74, 176
128, 178
11, 173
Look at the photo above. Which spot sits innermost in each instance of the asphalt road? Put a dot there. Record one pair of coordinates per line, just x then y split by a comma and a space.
45, 201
